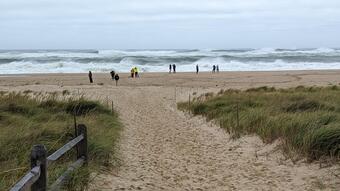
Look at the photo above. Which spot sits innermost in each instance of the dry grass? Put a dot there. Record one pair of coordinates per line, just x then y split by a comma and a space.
44, 119
305, 119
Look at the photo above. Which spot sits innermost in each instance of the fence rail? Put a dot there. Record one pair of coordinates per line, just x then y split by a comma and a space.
36, 178
26, 182
60, 152
59, 182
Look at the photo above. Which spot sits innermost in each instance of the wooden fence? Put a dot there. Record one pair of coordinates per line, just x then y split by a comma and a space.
36, 178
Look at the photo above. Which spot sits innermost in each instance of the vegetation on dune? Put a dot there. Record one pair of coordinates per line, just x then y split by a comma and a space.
48, 120
305, 119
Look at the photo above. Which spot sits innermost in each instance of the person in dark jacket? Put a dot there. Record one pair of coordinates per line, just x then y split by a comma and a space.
197, 69
116, 79
132, 71
113, 73
90, 77
170, 68
174, 68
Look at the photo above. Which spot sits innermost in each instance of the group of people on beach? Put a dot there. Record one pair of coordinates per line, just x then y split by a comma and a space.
216, 68
134, 72
114, 76
172, 68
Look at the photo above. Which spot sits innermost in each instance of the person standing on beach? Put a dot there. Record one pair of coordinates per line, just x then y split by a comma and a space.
197, 69
170, 67
214, 69
116, 79
217, 69
174, 68
112, 74
136, 72
132, 72
90, 77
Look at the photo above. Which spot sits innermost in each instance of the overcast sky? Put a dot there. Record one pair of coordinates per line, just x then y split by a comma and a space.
151, 24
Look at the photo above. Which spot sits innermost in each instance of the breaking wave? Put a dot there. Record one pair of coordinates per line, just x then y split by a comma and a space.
80, 61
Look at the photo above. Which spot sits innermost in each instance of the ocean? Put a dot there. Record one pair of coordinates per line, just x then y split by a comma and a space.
81, 61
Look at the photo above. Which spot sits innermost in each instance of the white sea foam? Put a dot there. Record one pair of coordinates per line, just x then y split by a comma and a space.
79, 61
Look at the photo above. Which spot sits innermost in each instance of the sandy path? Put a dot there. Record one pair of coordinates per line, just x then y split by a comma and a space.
164, 149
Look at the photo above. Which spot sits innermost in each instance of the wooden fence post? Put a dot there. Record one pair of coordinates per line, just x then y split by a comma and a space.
75, 124
107, 101
112, 107
38, 158
82, 145
175, 95
237, 116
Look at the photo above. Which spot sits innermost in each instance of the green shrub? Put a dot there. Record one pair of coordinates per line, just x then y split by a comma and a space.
324, 141
302, 106
305, 119
65, 92
82, 107
26, 121
200, 108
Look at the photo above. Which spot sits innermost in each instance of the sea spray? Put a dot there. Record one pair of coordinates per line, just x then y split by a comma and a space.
81, 61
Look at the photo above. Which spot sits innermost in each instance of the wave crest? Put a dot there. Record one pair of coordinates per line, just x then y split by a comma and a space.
63, 61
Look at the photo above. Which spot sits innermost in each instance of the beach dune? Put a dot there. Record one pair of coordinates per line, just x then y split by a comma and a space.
162, 148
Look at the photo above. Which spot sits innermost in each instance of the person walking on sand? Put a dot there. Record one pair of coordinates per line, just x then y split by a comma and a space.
174, 68
197, 69
136, 72
170, 68
116, 79
132, 72
214, 69
113, 73
90, 77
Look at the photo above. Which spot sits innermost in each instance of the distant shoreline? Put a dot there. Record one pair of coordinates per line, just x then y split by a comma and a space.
193, 72
222, 80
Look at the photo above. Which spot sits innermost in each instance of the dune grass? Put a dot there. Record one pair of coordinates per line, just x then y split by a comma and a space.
26, 120
306, 120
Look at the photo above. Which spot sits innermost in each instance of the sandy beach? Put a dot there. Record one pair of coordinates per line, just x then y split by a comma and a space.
162, 148
202, 80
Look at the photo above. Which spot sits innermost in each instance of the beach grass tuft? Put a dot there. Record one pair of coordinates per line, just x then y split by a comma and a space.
306, 120
27, 119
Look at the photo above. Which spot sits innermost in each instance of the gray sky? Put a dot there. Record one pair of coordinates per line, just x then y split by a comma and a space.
151, 24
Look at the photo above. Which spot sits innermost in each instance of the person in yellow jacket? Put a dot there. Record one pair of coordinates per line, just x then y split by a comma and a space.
136, 72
